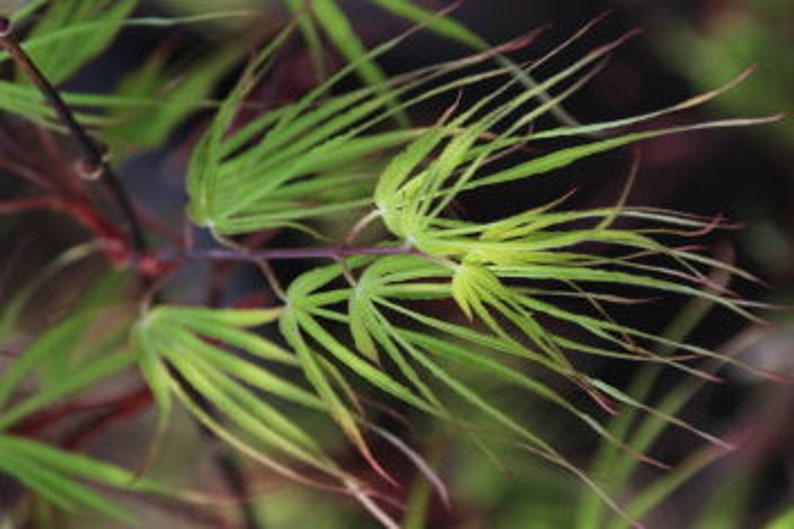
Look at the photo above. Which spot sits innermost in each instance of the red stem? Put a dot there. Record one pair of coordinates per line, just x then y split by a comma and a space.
123, 405
125, 409
113, 241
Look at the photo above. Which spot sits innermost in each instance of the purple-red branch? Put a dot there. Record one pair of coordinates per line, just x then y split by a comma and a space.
285, 254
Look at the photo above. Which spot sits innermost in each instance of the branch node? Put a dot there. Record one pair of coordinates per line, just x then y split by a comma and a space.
6, 27
89, 170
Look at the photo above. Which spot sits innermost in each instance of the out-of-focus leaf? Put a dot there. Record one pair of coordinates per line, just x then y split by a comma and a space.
66, 478
442, 25
60, 60
784, 521
327, 15
56, 340
54, 475
177, 90
48, 361
97, 371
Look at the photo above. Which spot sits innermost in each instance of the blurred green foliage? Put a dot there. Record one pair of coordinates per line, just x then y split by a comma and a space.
732, 36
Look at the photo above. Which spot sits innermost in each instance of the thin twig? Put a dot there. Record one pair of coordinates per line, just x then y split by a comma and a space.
286, 254
95, 164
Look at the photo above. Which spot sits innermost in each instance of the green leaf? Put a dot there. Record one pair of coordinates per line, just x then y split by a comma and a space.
80, 36
57, 340
310, 31
442, 25
98, 370
291, 323
177, 92
185, 352
784, 521
207, 154
252, 414
223, 317
49, 361
22, 12
336, 25
276, 171
57, 476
